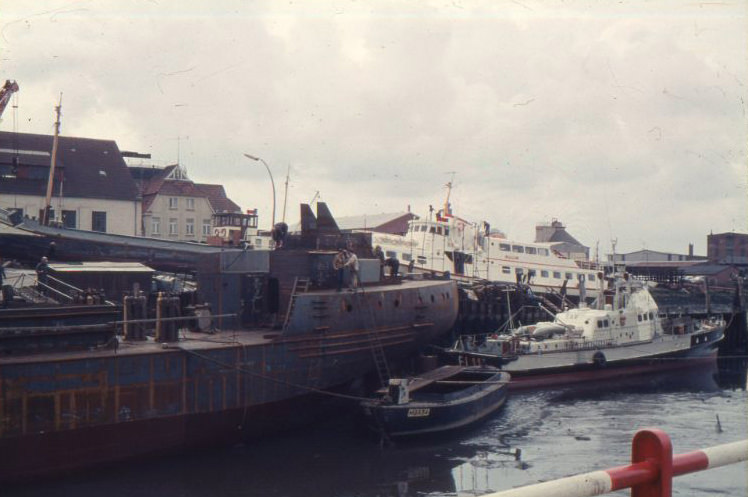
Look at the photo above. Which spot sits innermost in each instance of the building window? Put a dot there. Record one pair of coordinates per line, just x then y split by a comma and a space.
544, 274
557, 275
190, 204
98, 221
173, 228
155, 226
173, 203
518, 249
69, 219
206, 227
189, 228
531, 250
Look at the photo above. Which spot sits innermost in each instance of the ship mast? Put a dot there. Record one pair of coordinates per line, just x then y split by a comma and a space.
50, 181
285, 195
447, 210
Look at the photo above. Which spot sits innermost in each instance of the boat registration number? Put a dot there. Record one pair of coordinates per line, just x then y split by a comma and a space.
418, 413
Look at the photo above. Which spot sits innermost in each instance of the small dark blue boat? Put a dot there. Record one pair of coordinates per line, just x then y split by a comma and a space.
444, 399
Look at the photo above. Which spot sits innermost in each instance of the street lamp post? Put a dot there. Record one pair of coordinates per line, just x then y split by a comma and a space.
252, 157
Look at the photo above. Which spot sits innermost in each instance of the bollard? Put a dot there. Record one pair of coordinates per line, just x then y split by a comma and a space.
653, 446
141, 312
128, 329
159, 310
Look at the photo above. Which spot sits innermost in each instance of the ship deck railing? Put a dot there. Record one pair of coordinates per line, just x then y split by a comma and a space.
570, 346
650, 473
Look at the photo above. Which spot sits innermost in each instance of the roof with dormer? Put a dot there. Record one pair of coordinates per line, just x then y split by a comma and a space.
173, 182
87, 167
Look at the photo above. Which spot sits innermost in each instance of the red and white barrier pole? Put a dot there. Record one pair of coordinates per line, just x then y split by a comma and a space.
650, 474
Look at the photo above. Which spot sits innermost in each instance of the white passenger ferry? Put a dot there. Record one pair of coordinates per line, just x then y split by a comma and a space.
448, 243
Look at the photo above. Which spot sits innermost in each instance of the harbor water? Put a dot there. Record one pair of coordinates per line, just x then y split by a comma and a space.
537, 436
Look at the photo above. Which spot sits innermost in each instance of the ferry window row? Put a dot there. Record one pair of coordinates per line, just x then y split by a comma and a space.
546, 274
646, 317
438, 230
522, 249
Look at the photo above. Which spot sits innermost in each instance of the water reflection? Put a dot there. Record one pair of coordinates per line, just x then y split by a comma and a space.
537, 436
733, 372
574, 430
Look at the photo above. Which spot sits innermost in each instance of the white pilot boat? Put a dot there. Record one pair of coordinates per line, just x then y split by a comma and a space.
620, 330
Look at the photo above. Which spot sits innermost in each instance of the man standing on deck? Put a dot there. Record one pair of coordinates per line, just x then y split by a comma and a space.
338, 263
41, 275
352, 263
379, 254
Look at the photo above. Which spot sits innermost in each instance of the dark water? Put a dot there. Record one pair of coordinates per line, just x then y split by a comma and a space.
559, 433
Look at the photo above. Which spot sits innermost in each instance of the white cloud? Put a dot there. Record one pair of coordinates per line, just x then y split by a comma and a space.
623, 120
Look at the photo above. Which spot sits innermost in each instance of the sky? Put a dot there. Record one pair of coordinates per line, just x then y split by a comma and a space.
626, 121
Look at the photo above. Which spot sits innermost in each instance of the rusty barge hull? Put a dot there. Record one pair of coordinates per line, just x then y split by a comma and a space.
67, 410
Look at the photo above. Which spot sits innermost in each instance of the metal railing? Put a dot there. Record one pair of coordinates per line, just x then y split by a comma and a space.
650, 473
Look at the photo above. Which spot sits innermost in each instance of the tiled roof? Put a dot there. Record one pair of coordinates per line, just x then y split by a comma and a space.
154, 182
217, 198
91, 168
153, 185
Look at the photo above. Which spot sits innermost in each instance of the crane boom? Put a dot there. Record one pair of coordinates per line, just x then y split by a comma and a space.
7, 91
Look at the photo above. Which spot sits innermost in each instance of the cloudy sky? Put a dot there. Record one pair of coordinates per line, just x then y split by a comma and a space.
624, 120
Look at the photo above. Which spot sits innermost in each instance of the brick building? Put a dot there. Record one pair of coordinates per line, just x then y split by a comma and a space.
727, 248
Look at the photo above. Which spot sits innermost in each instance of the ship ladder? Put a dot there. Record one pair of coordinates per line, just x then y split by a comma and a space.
300, 285
377, 348
549, 303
